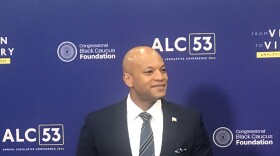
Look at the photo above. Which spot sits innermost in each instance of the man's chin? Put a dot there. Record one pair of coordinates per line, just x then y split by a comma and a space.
159, 96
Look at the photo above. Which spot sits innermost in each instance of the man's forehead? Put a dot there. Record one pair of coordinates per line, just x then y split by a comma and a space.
153, 66
142, 57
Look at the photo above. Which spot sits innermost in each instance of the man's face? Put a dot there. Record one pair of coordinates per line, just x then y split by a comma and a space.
149, 78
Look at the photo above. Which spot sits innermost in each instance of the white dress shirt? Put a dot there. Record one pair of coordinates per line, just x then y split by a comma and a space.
134, 123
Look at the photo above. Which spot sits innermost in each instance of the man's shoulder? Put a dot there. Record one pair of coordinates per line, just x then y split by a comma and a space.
179, 109
107, 111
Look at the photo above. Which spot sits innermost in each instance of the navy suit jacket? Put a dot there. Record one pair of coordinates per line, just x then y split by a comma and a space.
105, 132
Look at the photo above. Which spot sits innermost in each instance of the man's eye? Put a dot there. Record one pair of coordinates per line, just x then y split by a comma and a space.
148, 72
163, 70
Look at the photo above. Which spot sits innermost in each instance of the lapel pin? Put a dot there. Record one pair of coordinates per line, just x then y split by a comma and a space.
174, 119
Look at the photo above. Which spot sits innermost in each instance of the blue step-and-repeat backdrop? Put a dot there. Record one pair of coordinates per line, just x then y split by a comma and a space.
61, 59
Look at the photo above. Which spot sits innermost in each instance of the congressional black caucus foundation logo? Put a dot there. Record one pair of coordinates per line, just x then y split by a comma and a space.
222, 137
67, 51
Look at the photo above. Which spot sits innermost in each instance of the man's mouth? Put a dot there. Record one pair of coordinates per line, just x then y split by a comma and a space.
159, 86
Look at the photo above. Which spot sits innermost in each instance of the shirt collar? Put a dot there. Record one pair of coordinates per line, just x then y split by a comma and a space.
133, 110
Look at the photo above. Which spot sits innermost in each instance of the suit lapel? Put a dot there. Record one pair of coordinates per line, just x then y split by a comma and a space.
170, 126
120, 131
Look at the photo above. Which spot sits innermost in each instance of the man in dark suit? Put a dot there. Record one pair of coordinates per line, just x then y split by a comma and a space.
144, 123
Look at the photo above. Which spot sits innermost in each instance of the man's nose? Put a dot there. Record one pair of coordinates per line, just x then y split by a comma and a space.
158, 75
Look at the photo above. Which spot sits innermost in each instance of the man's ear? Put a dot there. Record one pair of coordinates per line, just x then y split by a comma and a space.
128, 80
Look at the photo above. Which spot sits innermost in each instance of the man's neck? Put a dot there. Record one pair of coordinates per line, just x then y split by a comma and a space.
142, 104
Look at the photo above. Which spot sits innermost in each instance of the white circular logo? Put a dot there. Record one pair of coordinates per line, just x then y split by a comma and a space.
67, 51
222, 137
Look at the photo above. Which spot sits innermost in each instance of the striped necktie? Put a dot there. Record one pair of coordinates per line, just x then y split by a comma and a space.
147, 138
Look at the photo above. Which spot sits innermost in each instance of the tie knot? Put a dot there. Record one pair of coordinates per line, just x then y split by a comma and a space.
145, 116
